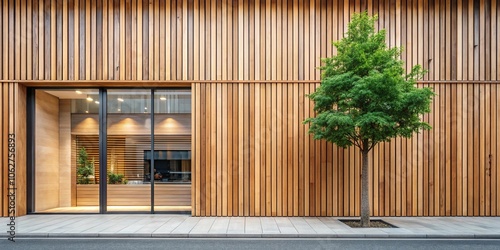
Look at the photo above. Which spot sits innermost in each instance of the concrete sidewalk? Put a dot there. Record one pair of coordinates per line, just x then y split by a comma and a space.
184, 226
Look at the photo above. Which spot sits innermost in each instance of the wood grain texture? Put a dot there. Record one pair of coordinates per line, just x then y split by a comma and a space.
47, 154
419, 176
163, 40
13, 101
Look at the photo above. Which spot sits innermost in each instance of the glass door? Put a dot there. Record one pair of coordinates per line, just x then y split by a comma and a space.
128, 146
172, 150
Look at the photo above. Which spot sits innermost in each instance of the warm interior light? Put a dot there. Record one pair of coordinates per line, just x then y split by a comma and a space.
163, 98
89, 98
96, 102
86, 111
120, 99
78, 92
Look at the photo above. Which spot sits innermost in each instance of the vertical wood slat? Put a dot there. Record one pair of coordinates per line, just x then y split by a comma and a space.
4, 153
88, 29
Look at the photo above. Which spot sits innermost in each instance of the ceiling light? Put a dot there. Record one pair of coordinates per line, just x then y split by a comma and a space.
120, 99
96, 102
163, 98
78, 92
86, 111
145, 107
89, 98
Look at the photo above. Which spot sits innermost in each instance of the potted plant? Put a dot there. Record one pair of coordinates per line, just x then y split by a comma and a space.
116, 178
85, 168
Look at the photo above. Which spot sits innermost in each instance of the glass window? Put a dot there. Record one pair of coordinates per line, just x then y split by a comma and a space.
67, 150
173, 101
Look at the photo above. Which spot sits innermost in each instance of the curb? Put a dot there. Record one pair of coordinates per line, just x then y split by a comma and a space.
252, 236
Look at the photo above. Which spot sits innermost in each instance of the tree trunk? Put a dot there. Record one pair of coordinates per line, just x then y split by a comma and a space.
365, 201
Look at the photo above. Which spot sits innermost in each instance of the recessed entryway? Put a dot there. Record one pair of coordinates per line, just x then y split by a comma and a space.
140, 139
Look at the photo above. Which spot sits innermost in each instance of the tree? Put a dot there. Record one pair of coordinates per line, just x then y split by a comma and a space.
366, 97
85, 167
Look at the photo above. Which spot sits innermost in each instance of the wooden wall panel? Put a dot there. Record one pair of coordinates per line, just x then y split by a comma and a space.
13, 113
21, 159
451, 170
234, 40
47, 154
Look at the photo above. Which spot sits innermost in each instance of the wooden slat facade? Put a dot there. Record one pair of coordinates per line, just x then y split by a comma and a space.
274, 168
13, 108
234, 39
245, 128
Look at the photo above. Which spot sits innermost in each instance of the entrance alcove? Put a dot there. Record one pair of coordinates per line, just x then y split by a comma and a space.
67, 127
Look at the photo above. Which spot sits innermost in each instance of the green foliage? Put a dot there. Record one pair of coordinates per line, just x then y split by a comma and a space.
116, 178
84, 168
365, 96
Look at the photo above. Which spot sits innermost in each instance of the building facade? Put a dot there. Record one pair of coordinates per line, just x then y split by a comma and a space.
197, 106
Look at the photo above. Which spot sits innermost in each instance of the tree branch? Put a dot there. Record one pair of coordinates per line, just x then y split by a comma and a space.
355, 140
372, 146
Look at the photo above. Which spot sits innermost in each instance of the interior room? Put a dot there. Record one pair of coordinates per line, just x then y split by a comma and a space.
67, 150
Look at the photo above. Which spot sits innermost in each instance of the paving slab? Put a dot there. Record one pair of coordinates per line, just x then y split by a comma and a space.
253, 226
186, 226
219, 227
269, 226
55, 226
203, 226
151, 226
166, 229
286, 227
302, 227
103, 225
318, 226
134, 225
117, 227
236, 226
42, 223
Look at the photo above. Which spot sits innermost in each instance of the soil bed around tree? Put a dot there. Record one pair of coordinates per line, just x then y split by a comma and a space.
373, 224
